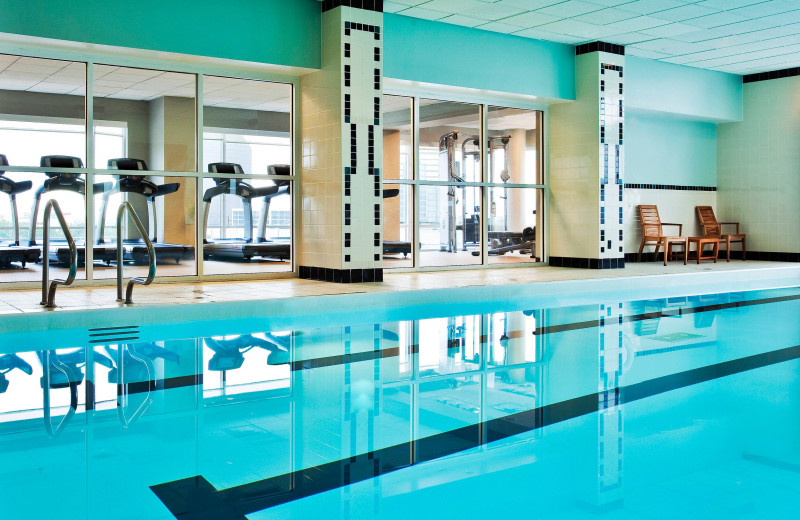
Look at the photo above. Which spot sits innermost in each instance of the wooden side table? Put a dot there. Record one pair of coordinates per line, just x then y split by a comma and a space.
700, 243
668, 243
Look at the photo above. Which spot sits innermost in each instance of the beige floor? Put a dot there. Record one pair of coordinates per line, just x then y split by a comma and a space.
18, 301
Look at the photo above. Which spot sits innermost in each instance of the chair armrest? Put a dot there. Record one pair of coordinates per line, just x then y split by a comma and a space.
680, 227
730, 224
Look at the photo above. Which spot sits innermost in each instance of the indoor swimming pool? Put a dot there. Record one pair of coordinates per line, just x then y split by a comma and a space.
685, 406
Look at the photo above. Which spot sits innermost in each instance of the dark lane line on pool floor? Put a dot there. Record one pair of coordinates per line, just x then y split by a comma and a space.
195, 498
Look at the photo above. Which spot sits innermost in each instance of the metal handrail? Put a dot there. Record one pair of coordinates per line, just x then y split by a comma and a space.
48, 286
151, 253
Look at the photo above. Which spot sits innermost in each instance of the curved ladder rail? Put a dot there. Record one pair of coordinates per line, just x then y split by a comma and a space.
55, 430
122, 386
48, 286
151, 253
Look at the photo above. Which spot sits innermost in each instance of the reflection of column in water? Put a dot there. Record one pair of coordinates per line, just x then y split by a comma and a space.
610, 414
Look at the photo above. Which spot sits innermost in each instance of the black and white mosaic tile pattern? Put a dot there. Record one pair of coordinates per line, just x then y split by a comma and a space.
612, 160
362, 131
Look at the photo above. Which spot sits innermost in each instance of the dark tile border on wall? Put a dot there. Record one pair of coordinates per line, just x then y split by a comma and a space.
766, 256
587, 263
773, 74
370, 5
669, 187
324, 274
612, 48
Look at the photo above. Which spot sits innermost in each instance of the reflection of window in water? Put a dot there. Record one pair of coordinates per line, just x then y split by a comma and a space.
449, 345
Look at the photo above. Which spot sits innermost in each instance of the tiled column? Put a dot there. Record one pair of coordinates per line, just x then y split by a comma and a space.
341, 148
587, 164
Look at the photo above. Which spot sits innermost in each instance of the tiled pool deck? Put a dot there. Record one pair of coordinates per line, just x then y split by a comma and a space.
70, 299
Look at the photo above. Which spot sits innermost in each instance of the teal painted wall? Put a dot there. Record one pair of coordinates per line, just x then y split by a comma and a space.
432, 52
280, 32
683, 91
662, 150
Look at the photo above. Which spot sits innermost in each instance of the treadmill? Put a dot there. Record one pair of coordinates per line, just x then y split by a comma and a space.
395, 247
11, 251
136, 249
59, 251
244, 248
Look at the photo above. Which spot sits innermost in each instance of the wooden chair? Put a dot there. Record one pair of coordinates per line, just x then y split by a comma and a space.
653, 234
712, 228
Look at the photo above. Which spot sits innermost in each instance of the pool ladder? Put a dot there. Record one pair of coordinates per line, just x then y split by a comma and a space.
151, 254
49, 286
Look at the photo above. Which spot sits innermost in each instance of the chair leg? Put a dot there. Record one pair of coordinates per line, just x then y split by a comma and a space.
744, 248
716, 250
655, 253
728, 245
641, 246
667, 251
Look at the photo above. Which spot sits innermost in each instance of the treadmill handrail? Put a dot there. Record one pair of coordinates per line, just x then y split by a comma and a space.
48, 286
151, 254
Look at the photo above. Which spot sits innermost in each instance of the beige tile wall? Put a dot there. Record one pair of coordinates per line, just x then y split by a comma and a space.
673, 206
758, 166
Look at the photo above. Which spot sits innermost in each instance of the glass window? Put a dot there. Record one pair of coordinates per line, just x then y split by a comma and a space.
247, 127
42, 124
145, 124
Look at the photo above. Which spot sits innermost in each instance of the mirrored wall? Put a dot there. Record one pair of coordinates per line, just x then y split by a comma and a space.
463, 184
219, 191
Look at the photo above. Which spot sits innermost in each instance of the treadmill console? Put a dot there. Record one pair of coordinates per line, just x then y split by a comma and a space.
61, 161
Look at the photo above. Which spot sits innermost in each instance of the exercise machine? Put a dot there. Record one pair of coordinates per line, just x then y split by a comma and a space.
395, 247
73, 182
136, 249
245, 248
12, 251
448, 171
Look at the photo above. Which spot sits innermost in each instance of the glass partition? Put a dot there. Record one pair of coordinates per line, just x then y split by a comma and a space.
144, 121
247, 205
42, 124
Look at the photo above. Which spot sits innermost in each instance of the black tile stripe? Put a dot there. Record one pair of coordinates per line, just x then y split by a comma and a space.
196, 498
773, 74
587, 263
112, 334
114, 328
369, 5
670, 187
596, 46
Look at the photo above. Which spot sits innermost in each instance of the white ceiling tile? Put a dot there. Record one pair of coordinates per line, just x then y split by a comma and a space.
636, 24
570, 8
605, 16
531, 19
652, 6
392, 7
628, 38
609, 3
575, 28
716, 19
687, 12
492, 11
425, 14
727, 4
767, 8
669, 46
530, 5
538, 34
408, 3
646, 54
670, 30
451, 6
501, 27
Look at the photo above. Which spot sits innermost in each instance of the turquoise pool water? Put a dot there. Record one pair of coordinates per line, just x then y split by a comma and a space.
684, 407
